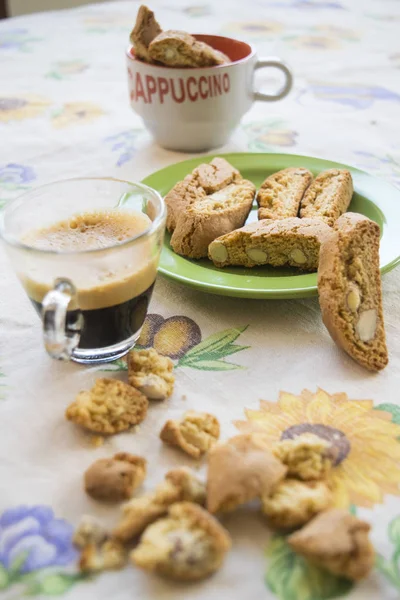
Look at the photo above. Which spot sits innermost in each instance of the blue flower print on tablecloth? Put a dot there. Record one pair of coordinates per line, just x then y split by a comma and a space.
124, 145
34, 544
386, 165
14, 179
345, 96
16, 39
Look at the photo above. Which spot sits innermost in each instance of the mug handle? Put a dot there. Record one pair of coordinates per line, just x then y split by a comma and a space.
61, 336
286, 87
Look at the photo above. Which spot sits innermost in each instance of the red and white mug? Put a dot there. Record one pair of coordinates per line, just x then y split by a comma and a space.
195, 109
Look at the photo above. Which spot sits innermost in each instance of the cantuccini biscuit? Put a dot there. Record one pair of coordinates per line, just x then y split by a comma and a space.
241, 470
338, 542
205, 179
287, 242
188, 544
219, 213
151, 373
328, 196
350, 294
280, 194
145, 30
195, 433
180, 49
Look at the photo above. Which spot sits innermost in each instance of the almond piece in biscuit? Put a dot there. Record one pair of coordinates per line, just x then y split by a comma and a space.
115, 479
328, 196
280, 194
293, 503
241, 470
109, 407
338, 542
179, 485
144, 32
187, 545
195, 434
288, 242
350, 293
205, 179
217, 214
180, 49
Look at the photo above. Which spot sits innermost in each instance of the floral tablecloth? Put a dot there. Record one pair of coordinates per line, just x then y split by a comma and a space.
64, 112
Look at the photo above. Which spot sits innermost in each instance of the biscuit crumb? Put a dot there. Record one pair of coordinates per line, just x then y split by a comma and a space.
195, 434
96, 441
293, 503
115, 479
307, 456
151, 373
109, 407
109, 555
89, 531
188, 544
241, 470
338, 542
179, 485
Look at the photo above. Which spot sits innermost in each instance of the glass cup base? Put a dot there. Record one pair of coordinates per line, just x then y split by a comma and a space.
91, 356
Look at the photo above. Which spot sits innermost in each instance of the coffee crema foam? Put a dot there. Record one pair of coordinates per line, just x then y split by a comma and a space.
89, 231
114, 275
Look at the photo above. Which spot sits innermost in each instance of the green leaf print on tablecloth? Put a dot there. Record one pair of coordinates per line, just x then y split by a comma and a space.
390, 568
180, 339
291, 577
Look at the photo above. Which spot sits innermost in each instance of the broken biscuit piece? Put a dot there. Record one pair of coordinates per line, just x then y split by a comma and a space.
115, 479
215, 215
109, 407
89, 531
179, 485
307, 456
180, 49
328, 196
151, 373
293, 503
109, 555
187, 545
338, 542
195, 433
350, 290
280, 194
145, 30
205, 179
241, 470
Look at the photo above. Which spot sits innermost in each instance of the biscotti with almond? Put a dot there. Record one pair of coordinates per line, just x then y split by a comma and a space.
205, 179
199, 224
328, 196
287, 242
145, 30
350, 294
280, 194
180, 49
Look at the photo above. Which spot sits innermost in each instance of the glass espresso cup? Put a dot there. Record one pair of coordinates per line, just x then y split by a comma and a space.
92, 300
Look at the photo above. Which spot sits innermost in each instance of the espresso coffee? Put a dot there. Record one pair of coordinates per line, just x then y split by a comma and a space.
113, 288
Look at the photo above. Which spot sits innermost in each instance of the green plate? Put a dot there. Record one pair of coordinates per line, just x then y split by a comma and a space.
374, 198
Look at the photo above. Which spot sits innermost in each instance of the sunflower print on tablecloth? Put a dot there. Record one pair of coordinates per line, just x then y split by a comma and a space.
73, 113
366, 440
17, 108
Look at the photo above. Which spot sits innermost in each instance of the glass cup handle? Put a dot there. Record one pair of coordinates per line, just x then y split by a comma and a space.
61, 336
276, 63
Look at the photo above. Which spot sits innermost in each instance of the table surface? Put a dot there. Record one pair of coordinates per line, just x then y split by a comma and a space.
64, 112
